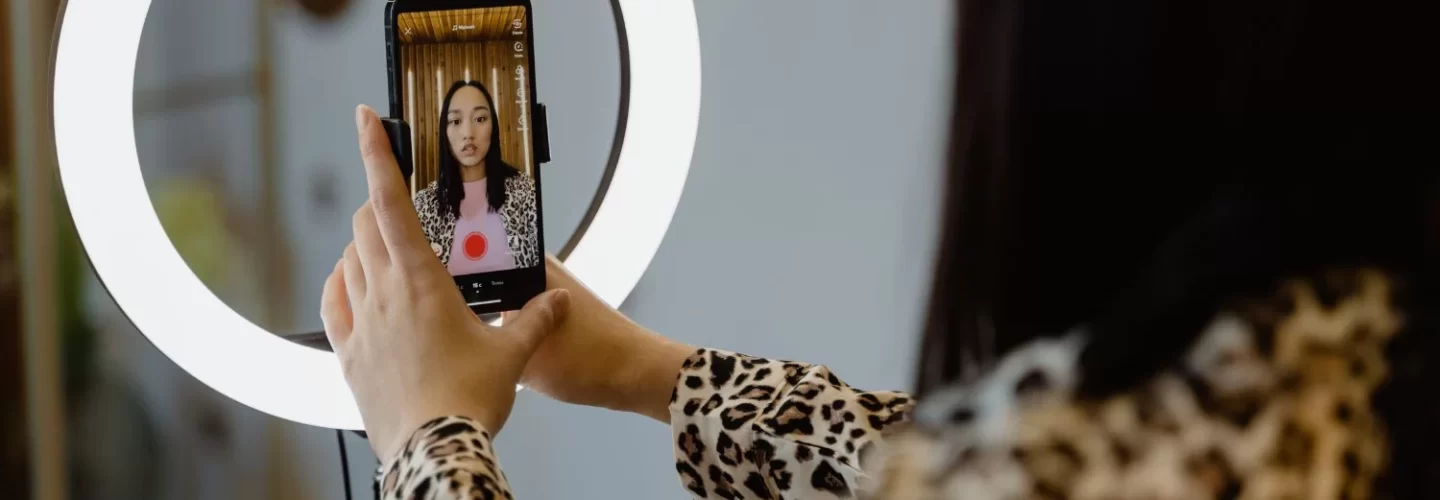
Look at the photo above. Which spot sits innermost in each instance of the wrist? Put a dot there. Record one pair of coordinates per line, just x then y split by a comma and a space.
648, 379
487, 418
411, 428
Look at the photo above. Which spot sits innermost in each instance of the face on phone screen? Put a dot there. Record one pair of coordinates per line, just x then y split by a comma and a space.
464, 84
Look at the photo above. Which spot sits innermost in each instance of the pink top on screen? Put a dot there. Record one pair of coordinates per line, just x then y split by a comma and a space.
480, 244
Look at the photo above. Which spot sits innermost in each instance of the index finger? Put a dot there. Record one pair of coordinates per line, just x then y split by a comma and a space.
389, 197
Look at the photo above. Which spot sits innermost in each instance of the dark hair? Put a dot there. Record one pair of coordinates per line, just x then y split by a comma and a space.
1129, 166
450, 189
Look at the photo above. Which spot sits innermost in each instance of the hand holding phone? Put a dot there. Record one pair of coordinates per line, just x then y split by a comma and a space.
410, 353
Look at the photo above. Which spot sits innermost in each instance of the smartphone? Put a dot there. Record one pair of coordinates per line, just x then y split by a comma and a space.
462, 86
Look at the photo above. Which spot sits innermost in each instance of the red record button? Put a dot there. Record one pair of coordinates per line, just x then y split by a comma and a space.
476, 246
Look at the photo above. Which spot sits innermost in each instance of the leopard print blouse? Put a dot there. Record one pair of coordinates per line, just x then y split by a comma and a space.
1267, 403
520, 214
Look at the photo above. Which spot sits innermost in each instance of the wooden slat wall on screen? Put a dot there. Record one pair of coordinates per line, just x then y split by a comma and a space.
435, 67
439, 26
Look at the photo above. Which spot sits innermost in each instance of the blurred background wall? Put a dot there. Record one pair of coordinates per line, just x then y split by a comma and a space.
813, 190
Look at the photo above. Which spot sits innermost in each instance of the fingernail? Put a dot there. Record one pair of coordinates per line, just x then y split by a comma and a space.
363, 115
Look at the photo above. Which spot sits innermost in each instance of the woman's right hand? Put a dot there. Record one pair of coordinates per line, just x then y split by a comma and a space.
598, 357
410, 349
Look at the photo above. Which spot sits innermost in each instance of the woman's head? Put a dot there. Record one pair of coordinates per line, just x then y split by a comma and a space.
1127, 165
469, 124
470, 141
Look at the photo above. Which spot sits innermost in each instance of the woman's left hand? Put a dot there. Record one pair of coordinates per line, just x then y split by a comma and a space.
411, 349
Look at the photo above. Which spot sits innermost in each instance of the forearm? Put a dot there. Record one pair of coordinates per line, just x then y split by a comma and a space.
598, 357
641, 367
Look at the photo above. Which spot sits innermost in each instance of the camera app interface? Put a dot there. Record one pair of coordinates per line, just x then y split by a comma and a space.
464, 78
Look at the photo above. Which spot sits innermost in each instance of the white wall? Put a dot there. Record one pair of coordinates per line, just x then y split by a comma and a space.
806, 230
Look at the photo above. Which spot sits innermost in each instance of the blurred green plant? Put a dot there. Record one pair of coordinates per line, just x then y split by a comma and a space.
110, 410
192, 214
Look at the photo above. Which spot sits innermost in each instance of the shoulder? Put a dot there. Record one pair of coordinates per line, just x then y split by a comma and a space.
520, 192
427, 192
1249, 371
425, 201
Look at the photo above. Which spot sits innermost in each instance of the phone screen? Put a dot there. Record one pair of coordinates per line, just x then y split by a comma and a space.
464, 83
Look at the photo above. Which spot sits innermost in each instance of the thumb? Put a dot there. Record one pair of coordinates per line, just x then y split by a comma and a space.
539, 317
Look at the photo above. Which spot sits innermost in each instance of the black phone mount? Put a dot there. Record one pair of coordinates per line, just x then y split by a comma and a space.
399, 133
541, 134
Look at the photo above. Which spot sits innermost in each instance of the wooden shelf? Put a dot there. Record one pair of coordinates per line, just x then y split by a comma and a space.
196, 93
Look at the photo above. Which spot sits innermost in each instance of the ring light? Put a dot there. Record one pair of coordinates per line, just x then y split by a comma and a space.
159, 293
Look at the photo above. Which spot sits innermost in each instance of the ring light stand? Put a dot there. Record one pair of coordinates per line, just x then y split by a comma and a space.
157, 291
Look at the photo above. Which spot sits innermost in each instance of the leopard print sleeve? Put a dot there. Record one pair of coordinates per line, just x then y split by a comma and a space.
747, 427
431, 223
522, 218
447, 458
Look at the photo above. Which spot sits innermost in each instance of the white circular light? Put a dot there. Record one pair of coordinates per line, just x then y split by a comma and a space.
166, 301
